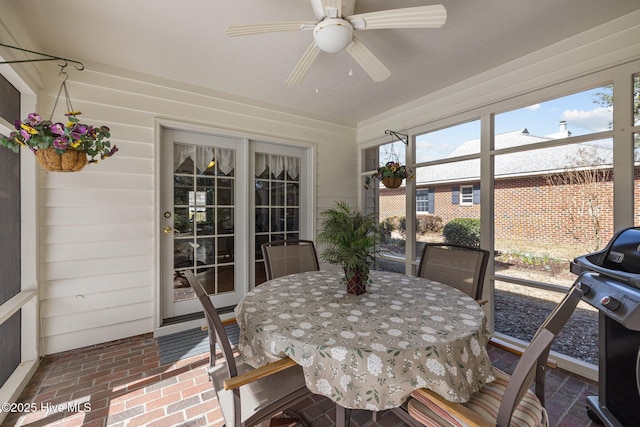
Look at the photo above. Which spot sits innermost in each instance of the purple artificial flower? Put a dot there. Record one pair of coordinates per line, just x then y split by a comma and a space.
25, 135
61, 142
78, 130
57, 129
17, 123
34, 119
111, 152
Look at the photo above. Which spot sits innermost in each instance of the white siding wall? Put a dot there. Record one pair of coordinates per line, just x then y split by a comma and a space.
98, 227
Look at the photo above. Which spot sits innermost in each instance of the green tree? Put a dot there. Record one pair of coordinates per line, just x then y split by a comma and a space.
605, 98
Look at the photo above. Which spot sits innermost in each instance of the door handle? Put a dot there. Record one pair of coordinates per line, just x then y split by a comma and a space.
167, 230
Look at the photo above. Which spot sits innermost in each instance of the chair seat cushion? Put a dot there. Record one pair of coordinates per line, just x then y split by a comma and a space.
485, 403
282, 387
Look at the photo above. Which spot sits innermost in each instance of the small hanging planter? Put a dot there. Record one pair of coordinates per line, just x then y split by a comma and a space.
69, 161
391, 175
61, 147
392, 182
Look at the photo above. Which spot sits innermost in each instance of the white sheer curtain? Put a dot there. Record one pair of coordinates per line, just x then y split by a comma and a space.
203, 157
277, 165
293, 167
226, 160
182, 153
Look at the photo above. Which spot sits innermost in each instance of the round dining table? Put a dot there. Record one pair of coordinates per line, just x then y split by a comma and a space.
368, 351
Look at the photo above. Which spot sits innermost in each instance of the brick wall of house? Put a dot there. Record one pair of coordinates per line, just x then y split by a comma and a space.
526, 208
392, 202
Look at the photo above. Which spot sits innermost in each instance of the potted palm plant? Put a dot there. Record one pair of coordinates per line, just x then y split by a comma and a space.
351, 240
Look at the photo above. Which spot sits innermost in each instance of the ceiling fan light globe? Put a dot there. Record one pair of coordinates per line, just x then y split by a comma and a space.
333, 35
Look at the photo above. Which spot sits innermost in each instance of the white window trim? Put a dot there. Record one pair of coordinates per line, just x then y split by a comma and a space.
423, 192
464, 202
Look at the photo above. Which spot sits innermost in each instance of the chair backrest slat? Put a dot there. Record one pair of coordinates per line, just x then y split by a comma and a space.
533, 361
284, 257
458, 266
216, 331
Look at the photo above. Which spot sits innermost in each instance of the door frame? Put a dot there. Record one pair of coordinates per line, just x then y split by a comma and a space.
243, 164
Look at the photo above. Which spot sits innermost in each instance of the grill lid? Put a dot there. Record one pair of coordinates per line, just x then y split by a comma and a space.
619, 260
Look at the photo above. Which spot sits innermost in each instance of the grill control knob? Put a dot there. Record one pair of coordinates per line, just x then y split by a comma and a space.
584, 288
610, 303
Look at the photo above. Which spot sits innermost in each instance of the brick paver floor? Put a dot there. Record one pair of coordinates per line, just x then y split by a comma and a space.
121, 384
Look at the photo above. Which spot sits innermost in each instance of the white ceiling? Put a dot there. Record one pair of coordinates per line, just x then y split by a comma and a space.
185, 41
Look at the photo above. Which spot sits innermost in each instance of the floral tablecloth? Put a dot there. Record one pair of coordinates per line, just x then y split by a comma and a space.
368, 351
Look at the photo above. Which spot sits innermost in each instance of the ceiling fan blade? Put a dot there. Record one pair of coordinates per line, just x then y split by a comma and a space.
411, 17
244, 30
302, 67
332, 8
368, 61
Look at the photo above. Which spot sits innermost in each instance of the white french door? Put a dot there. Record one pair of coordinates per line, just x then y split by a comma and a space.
280, 199
221, 198
202, 220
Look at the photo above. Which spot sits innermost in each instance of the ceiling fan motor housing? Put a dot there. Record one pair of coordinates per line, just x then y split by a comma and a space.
333, 35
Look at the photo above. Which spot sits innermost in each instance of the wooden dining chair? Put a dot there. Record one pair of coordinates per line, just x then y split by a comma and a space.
462, 267
248, 396
508, 397
284, 257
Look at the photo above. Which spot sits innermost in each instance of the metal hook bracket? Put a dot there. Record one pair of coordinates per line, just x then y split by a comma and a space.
399, 136
76, 64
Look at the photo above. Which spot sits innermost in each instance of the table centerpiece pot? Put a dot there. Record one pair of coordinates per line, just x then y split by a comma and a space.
356, 284
61, 147
351, 239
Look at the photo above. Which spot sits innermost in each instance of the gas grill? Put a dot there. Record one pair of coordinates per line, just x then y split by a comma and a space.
610, 281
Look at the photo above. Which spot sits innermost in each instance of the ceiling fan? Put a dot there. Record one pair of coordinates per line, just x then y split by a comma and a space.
334, 27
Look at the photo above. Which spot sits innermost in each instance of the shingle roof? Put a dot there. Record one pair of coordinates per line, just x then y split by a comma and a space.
538, 162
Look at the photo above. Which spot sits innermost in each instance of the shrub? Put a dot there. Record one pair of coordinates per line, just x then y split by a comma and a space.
402, 225
387, 226
463, 231
428, 224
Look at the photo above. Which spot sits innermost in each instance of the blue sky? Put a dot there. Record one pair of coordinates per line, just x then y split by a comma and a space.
582, 114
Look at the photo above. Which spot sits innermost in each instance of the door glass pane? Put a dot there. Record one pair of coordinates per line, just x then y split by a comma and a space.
183, 222
277, 202
203, 230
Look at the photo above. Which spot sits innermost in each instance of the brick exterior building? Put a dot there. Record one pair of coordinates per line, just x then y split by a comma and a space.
527, 205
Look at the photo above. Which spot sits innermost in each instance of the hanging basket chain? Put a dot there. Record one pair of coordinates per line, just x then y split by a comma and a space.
63, 86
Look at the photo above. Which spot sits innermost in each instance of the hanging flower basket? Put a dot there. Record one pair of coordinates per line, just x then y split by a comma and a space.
391, 175
69, 161
57, 146
392, 182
